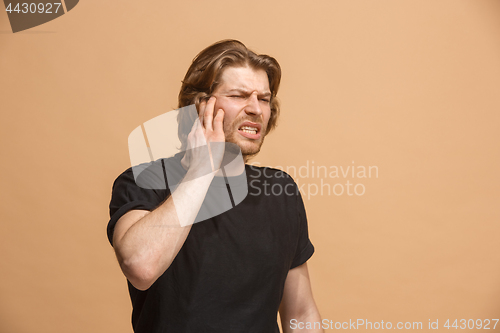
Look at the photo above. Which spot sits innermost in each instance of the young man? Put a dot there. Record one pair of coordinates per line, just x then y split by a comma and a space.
231, 272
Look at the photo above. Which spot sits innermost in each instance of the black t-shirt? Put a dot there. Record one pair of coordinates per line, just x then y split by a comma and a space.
230, 273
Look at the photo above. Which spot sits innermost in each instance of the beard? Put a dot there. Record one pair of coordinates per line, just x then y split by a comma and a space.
248, 147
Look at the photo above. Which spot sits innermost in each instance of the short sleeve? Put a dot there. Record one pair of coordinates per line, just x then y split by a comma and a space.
127, 195
305, 248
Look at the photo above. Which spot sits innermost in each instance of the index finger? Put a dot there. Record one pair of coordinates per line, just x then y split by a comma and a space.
201, 110
208, 113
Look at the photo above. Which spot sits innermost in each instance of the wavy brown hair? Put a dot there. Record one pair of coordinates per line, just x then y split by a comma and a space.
204, 74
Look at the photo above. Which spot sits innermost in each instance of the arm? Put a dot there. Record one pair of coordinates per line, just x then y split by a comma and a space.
146, 242
297, 305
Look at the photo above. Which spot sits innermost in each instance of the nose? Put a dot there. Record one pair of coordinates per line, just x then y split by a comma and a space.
253, 105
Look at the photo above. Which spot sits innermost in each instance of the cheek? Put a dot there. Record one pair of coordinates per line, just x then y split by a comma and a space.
219, 104
229, 111
267, 115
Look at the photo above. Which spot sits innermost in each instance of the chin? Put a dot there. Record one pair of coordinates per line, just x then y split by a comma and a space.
248, 148
250, 152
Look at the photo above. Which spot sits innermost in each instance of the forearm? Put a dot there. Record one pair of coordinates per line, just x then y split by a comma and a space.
150, 245
298, 310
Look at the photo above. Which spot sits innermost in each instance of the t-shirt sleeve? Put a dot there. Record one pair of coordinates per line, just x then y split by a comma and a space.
305, 248
127, 195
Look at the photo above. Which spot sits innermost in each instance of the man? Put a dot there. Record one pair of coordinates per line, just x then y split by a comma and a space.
234, 271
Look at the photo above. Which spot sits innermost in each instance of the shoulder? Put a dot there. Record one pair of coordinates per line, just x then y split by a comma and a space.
138, 180
125, 176
152, 175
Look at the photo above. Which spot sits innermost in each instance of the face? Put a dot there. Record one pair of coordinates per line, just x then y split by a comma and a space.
244, 95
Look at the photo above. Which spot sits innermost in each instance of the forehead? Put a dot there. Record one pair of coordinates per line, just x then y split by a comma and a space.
244, 78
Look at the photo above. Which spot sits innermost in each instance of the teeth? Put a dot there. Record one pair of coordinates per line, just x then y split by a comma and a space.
248, 129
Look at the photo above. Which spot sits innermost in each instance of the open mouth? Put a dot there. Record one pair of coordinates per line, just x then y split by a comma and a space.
250, 130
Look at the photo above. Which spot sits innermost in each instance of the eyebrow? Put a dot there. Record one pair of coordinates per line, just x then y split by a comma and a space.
247, 92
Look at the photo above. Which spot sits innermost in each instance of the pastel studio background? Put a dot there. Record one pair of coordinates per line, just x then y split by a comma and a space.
410, 87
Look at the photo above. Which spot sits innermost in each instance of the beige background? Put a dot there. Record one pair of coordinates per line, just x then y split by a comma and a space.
408, 86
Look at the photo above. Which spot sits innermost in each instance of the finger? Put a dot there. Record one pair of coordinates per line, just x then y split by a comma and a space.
209, 114
218, 121
202, 107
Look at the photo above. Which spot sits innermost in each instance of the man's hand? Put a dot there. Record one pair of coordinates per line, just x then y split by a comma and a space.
207, 132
